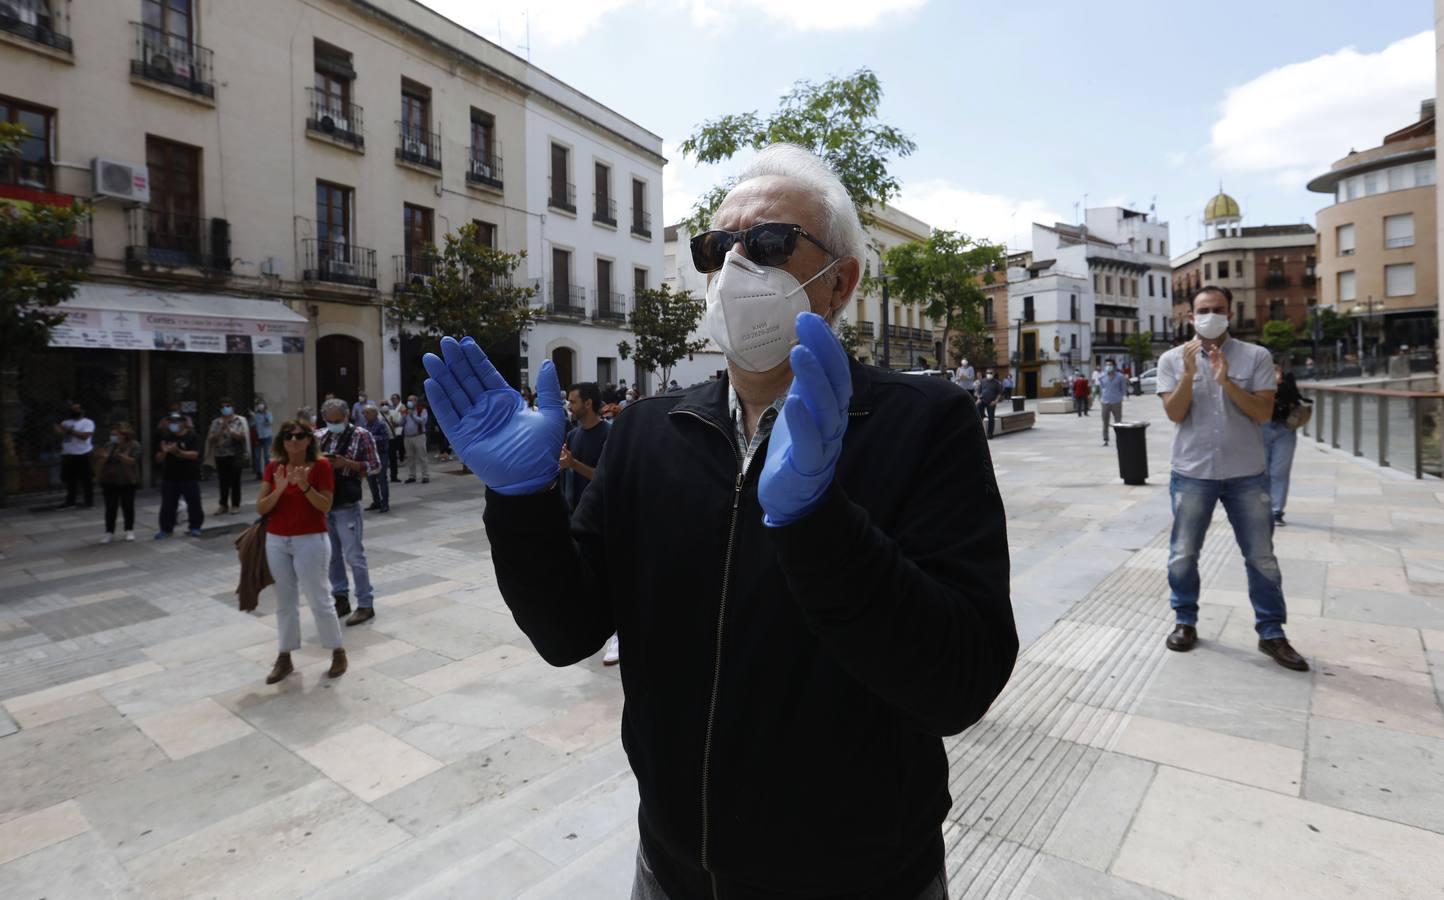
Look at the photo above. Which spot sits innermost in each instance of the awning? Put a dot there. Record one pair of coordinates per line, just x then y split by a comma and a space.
120, 317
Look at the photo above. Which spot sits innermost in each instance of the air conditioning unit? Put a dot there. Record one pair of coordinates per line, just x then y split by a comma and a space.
413, 147
159, 62
339, 267
123, 181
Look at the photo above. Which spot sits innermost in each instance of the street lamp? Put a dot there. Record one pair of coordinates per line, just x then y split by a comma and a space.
886, 349
1361, 311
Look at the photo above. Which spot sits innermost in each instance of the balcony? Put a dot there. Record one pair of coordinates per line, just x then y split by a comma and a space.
412, 272
566, 300
604, 209
1275, 280
483, 167
642, 224
172, 60
418, 148
336, 262
330, 118
611, 307
562, 195
866, 329
49, 239
1309, 280
170, 240
31, 20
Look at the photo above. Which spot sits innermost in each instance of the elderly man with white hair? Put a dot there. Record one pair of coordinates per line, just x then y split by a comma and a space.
822, 595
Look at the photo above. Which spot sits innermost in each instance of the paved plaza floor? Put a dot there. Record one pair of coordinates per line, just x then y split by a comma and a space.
143, 755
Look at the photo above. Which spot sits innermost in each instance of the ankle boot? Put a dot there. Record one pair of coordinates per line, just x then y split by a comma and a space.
281, 669
338, 663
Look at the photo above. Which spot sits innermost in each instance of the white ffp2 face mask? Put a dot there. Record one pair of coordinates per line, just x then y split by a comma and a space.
1210, 325
752, 311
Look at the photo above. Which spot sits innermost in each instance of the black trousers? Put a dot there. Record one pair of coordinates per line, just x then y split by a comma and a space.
380, 490
76, 472
397, 453
1080, 405
122, 497
171, 493
228, 473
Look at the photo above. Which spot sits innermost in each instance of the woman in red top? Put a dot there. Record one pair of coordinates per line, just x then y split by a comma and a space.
296, 493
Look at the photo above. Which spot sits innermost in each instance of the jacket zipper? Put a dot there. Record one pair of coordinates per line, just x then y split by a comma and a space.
717, 665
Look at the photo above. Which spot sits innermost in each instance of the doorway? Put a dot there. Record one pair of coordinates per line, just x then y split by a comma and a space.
564, 358
338, 368
1030, 384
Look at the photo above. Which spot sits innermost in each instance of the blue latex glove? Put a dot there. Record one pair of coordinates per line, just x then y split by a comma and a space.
512, 448
807, 437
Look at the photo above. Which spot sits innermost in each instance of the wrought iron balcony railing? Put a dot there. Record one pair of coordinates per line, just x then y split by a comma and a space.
562, 195
337, 262
336, 120
604, 209
32, 20
610, 307
173, 60
642, 223
483, 167
174, 240
418, 147
567, 300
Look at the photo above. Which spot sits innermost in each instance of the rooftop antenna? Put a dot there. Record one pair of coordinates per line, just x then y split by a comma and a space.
526, 14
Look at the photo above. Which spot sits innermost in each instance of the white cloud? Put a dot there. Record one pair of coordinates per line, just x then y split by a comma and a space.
556, 23
1176, 159
1292, 122
993, 217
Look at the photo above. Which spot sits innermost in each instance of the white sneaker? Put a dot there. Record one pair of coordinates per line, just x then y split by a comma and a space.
107, 538
614, 652
130, 535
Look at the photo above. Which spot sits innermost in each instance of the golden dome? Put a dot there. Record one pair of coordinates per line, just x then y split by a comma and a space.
1221, 206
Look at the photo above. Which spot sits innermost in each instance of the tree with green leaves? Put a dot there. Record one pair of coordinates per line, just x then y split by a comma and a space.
36, 275
662, 325
849, 336
1140, 347
944, 277
837, 120
469, 291
1279, 336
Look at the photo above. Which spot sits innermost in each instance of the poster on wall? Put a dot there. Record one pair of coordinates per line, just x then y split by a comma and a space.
125, 330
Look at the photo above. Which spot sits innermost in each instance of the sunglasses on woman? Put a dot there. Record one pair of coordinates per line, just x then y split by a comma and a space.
767, 244
296, 435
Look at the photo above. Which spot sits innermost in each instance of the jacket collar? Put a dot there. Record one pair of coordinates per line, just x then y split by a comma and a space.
709, 399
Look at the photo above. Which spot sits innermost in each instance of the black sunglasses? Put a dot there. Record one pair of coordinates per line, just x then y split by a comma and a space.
295, 435
767, 244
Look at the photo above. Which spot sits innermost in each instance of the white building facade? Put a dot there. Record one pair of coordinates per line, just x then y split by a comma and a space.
1086, 291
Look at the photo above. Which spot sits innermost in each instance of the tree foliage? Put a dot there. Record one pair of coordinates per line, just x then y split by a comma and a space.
1279, 336
944, 277
1140, 347
662, 325
469, 292
837, 120
849, 336
32, 281
1334, 326
971, 340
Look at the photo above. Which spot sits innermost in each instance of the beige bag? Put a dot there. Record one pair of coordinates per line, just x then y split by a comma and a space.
1299, 416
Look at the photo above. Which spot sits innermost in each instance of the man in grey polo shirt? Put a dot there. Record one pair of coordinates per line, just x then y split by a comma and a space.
1217, 390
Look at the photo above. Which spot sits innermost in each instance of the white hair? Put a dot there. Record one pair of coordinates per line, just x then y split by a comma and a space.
840, 228
336, 404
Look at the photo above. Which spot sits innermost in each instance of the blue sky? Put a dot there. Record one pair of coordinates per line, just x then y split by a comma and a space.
1018, 110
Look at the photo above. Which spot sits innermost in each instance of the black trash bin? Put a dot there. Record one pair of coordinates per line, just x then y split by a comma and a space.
1132, 451
1018, 404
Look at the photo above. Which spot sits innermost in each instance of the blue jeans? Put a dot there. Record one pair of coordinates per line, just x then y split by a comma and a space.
344, 525
1246, 501
1280, 441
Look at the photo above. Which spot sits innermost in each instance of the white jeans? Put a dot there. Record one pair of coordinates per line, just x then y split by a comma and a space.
416, 453
299, 564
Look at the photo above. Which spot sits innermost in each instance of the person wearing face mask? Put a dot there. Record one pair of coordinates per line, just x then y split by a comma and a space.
179, 457
76, 445
229, 445
358, 411
828, 597
352, 454
1218, 390
414, 422
261, 421
989, 390
119, 463
392, 418
1112, 386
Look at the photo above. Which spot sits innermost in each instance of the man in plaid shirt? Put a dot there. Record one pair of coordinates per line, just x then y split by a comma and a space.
352, 453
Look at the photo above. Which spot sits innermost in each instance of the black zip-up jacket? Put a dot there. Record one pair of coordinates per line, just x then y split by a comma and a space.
787, 689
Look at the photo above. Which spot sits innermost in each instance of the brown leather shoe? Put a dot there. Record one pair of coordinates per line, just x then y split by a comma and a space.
338, 663
1283, 653
1182, 638
362, 614
281, 669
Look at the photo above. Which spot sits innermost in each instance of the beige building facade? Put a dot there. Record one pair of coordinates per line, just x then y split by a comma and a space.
1378, 259
290, 162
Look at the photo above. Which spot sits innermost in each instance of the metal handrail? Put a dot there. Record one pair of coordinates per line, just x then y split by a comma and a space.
1328, 415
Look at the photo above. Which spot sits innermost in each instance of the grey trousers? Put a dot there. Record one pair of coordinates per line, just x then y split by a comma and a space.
416, 456
299, 565
645, 886
1116, 409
